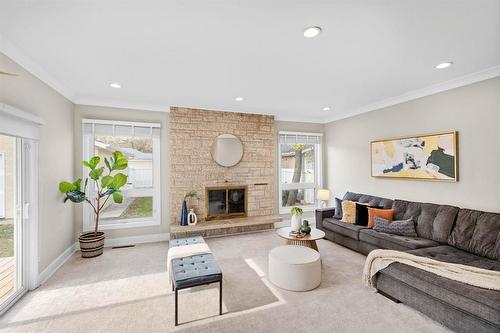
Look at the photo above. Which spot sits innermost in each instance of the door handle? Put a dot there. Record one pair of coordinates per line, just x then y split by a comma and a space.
26, 208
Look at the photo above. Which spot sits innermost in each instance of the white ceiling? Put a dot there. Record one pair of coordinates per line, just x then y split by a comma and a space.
205, 53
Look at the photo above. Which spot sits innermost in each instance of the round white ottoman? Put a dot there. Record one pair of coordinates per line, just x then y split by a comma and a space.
294, 267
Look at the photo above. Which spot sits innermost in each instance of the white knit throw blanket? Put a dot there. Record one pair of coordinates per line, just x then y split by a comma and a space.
184, 251
478, 277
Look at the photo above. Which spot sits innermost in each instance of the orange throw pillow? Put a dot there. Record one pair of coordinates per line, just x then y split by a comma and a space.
383, 213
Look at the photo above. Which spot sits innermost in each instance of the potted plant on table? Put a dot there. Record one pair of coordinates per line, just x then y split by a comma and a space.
106, 186
296, 222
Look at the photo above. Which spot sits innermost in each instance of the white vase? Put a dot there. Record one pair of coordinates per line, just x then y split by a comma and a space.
296, 222
192, 218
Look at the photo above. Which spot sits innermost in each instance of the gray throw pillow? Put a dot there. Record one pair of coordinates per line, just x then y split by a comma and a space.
338, 209
402, 227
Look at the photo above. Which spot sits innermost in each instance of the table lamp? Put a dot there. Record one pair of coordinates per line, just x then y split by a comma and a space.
323, 196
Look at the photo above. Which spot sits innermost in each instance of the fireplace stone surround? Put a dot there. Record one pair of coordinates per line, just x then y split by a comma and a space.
192, 132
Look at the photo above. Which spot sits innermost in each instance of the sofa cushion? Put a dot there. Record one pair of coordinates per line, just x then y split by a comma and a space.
402, 228
386, 214
345, 229
338, 208
477, 232
361, 214
394, 242
480, 302
446, 253
432, 221
368, 199
348, 211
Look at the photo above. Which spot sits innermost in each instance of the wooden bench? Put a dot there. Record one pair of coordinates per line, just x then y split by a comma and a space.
193, 271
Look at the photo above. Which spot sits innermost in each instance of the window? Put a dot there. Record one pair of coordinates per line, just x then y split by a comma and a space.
299, 170
140, 143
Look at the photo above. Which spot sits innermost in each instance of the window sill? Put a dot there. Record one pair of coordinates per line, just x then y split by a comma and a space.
304, 208
126, 225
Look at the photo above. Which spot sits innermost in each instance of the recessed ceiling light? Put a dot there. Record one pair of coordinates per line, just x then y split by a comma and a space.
444, 65
115, 85
312, 31
239, 99
326, 108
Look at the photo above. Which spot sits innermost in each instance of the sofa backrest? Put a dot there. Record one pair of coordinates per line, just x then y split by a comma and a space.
368, 199
477, 232
432, 221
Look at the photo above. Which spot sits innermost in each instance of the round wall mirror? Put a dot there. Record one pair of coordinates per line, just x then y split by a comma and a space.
227, 150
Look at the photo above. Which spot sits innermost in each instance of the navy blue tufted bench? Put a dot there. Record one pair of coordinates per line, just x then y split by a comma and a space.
193, 271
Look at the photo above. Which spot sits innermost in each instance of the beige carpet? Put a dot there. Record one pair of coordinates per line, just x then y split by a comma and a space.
125, 290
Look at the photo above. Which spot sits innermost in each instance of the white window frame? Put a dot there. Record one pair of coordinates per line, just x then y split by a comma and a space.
318, 179
88, 151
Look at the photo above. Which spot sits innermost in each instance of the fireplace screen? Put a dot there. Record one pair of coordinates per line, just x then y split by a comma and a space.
226, 202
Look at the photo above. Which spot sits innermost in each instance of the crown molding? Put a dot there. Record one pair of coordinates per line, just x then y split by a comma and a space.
15, 54
160, 108
121, 104
486, 74
20, 114
256, 111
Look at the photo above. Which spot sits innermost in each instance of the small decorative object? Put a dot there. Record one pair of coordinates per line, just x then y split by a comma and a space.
323, 197
107, 185
429, 157
184, 210
192, 195
296, 221
192, 218
305, 229
300, 235
184, 213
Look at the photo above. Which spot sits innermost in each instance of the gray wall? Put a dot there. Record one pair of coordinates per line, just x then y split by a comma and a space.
474, 111
26, 92
107, 113
293, 126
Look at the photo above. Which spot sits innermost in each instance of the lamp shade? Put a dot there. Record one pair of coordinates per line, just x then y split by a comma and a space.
323, 195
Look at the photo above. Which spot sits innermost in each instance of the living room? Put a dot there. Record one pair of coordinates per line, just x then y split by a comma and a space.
234, 166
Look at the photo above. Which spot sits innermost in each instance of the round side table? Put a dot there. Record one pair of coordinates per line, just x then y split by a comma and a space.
307, 241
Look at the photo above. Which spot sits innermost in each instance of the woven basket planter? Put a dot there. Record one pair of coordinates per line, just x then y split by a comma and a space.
91, 245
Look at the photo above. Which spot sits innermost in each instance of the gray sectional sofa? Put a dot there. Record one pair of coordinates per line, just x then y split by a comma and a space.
445, 233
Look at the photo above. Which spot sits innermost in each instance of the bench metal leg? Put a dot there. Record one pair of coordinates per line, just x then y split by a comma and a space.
220, 297
177, 303
176, 310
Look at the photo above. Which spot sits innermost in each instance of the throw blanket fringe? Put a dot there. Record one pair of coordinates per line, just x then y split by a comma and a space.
184, 251
478, 277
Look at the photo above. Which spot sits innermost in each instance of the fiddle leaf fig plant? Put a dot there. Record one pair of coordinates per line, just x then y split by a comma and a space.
107, 182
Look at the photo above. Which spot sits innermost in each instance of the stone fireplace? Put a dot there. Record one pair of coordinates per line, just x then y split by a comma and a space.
222, 202
242, 194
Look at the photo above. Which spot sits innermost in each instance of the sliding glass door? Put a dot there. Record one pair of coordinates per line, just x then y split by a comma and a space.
10, 218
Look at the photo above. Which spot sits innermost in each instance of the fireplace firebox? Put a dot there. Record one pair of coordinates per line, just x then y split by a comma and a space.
222, 202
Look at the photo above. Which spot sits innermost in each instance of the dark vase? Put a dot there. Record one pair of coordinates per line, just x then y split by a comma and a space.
184, 213
305, 229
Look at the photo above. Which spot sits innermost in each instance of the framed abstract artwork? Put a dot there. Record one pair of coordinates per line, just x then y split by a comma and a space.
425, 157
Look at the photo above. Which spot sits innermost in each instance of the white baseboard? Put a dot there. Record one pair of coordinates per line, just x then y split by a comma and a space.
58, 262
151, 238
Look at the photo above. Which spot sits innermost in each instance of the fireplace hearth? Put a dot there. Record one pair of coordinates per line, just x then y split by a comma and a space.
223, 202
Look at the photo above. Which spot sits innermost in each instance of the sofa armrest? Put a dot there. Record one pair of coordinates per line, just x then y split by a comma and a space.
323, 213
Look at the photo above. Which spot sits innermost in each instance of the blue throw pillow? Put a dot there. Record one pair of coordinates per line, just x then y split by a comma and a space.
402, 227
338, 209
